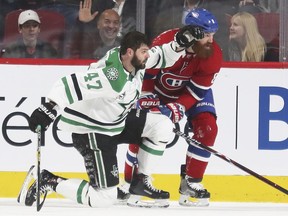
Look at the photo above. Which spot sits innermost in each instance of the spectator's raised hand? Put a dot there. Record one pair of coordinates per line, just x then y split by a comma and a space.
85, 14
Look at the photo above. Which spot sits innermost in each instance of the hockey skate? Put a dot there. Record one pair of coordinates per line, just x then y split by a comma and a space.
192, 193
48, 183
141, 187
123, 193
31, 174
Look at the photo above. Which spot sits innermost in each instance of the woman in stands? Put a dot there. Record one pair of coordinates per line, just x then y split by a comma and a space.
245, 41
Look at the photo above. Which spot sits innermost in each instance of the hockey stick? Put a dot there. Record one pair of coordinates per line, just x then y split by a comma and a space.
38, 163
218, 154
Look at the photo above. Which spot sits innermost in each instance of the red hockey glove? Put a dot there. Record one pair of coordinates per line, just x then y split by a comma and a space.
174, 111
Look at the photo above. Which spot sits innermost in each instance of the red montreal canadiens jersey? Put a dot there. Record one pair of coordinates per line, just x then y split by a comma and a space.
187, 78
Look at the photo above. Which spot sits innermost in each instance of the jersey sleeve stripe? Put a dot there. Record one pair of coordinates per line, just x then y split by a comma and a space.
88, 119
197, 91
67, 90
76, 87
155, 65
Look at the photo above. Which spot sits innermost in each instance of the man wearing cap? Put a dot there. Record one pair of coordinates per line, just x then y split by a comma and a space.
29, 45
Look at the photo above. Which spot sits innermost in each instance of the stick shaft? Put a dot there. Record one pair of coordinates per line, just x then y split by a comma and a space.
38, 162
218, 154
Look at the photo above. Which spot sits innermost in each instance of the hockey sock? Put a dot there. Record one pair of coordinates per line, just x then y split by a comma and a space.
195, 168
205, 131
131, 162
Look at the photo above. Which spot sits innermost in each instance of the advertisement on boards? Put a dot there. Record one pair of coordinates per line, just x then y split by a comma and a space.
252, 117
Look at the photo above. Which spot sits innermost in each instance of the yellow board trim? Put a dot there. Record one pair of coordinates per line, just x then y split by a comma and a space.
222, 188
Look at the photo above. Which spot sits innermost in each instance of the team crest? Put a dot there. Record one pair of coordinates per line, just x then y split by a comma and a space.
112, 74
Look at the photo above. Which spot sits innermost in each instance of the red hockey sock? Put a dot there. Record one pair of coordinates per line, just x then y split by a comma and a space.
131, 162
195, 168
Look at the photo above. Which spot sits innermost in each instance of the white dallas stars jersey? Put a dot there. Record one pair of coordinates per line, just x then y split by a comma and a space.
100, 99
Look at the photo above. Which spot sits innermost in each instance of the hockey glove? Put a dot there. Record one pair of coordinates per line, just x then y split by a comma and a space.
43, 116
188, 35
174, 111
147, 101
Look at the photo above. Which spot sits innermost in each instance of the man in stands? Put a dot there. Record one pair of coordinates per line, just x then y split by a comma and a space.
29, 45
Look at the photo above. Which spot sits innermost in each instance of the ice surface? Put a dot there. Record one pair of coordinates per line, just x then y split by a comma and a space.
64, 207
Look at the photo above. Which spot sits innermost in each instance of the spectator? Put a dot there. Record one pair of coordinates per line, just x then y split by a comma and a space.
251, 6
271, 5
127, 11
245, 41
224, 9
95, 44
188, 6
7, 6
29, 45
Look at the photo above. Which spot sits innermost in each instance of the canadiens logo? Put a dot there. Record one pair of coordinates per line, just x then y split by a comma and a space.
112, 74
172, 81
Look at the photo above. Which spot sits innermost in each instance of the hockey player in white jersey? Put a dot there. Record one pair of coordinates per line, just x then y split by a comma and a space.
96, 107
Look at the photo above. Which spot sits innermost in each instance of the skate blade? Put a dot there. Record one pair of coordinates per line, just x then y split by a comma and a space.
23, 192
136, 201
193, 202
122, 201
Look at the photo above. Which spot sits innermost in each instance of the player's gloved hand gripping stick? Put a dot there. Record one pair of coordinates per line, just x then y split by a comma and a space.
39, 122
151, 102
43, 116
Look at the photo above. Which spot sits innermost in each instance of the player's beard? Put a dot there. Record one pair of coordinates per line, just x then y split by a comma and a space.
137, 64
203, 50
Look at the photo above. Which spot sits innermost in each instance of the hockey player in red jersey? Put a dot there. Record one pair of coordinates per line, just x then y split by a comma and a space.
188, 83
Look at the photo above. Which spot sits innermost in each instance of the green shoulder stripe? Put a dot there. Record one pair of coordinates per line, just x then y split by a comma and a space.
114, 71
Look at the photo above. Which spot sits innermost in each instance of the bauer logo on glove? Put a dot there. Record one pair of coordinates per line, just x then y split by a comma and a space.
43, 116
147, 101
48, 112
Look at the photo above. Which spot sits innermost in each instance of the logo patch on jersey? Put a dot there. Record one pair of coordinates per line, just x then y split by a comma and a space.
112, 74
115, 171
172, 81
121, 96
